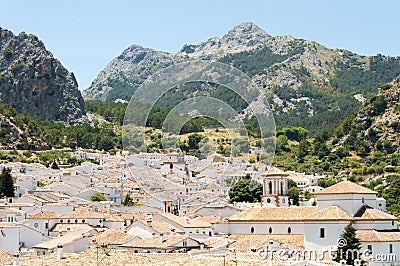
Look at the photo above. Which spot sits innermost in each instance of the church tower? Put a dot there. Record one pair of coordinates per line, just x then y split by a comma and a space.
275, 190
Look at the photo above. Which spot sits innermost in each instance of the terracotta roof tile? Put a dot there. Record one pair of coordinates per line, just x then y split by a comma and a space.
329, 214
274, 214
376, 236
113, 237
346, 187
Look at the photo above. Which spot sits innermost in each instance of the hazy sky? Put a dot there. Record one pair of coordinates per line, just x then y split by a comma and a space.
86, 35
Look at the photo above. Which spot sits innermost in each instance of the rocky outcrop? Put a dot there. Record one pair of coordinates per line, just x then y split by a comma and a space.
243, 37
34, 82
127, 71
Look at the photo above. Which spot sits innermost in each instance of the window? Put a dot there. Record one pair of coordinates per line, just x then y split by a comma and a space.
61, 221
270, 230
76, 221
283, 200
46, 225
392, 222
268, 200
369, 247
252, 230
322, 232
363, 200
289, 230
390, 248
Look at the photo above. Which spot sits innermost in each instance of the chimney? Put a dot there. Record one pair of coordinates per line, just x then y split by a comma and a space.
60, 252
16, 258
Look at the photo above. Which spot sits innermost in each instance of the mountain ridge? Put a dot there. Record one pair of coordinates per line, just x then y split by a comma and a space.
307, 83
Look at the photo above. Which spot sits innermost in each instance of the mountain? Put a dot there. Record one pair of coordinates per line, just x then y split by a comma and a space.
34, 82
376, 126
308, 84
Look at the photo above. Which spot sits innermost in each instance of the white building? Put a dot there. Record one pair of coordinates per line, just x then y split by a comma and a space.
322, 225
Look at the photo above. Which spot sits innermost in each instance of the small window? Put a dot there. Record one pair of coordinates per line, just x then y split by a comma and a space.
268, 200
69, 221
270, 230
252, 230
76, 221
46, 225
83, 221
392, 222
322, 232
289, 230
283, 200
363, 200
61, 221
369, 247
390, 248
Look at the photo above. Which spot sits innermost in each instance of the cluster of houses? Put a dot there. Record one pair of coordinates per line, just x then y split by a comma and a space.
179, 213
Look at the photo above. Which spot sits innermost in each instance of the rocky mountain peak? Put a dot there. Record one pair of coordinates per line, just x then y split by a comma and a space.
247, 31
34, 82
243, 37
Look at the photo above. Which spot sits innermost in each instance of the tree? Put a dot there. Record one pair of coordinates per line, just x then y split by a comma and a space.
97, 197
292, 183
127, 200
246, 190
54, 165
293, 194
6, 183
348, 246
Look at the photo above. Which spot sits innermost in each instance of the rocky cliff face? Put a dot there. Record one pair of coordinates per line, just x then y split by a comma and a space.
34, 82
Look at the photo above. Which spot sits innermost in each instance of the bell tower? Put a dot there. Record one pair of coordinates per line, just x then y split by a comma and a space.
275, 190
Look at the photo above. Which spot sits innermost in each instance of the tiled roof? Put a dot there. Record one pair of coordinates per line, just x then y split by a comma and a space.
63, 240
158, 242
187, 223
346, 187
243, 243
161, 227
274, 214
329, 214
5, 257
113, 237
93, 256
376, 236
44, 215
371, 214
82, 214
70, 227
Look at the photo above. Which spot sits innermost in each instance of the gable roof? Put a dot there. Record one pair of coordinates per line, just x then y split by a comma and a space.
370, 214
159, 242
332, 213
64, 240
377, 236
346, 187
113, 237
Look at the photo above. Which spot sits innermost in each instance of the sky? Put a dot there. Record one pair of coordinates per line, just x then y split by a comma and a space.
85, 35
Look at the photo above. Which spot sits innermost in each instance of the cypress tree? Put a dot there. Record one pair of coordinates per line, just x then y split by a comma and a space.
6, 183
348, 246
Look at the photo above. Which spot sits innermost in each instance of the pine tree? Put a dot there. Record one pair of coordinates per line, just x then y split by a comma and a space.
6, 183
348, 246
